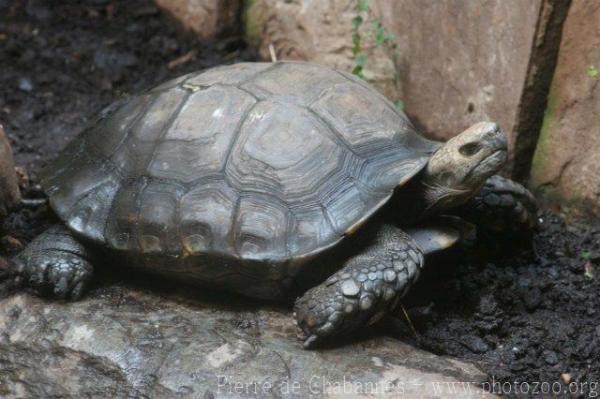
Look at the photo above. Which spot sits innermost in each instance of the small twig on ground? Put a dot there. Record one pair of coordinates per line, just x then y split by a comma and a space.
272, 52
412, 327
187, 57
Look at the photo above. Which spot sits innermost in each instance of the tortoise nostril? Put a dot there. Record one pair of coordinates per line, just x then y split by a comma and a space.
469, 149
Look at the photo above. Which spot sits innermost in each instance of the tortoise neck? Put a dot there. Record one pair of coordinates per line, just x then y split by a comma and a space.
424, 197
437, 197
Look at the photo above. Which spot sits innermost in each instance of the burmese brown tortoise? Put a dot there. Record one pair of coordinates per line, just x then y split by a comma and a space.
273, 180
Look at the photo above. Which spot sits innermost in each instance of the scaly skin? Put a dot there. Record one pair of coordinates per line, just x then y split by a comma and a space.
363, 290
54, 262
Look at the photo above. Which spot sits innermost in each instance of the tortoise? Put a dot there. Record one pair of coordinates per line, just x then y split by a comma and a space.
278, 181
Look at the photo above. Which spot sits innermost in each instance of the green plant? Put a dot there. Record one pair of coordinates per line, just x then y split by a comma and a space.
360, 58
399, 104
378, 34
592, 71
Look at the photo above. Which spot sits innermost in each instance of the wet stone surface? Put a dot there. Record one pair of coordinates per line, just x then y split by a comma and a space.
128, 342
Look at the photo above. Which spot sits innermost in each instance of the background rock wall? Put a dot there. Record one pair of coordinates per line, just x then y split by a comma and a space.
461, 62
566, 166
206, 18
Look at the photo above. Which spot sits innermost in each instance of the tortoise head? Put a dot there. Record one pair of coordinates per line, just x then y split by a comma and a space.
458, 169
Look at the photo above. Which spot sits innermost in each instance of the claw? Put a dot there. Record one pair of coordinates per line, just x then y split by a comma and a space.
310, 341
38, 278
77, 291
62, 287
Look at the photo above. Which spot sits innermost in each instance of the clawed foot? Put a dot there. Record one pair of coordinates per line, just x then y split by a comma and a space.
62, 274
320, 313
359, 294
503, 206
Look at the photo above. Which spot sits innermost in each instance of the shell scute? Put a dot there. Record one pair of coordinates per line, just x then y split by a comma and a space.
206, 217
199, 140
281, 150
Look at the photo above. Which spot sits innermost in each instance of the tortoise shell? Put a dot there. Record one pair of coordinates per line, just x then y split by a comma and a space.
261, 161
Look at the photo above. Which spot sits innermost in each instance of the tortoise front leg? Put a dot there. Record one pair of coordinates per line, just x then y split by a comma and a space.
501, 207
54, 262
363, 290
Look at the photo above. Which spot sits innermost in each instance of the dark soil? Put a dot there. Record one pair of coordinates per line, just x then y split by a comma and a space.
528, 317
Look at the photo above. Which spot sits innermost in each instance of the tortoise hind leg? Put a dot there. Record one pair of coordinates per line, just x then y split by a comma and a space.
363, 290
54, 262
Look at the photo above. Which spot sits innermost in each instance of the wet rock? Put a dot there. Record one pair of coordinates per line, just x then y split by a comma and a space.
550, 357
517, 366
487, 305
127, 342
532, 298
9, 188
584, 346
475, 344
488, 315
25, 84
109, 59
567, 157
206, 18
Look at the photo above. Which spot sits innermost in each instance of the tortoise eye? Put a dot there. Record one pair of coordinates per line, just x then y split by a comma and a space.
470, 149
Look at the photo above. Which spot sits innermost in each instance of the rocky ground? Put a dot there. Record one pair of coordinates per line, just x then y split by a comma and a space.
531, 316
122, 341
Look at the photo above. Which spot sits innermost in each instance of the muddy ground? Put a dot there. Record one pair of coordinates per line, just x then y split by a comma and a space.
531, 316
